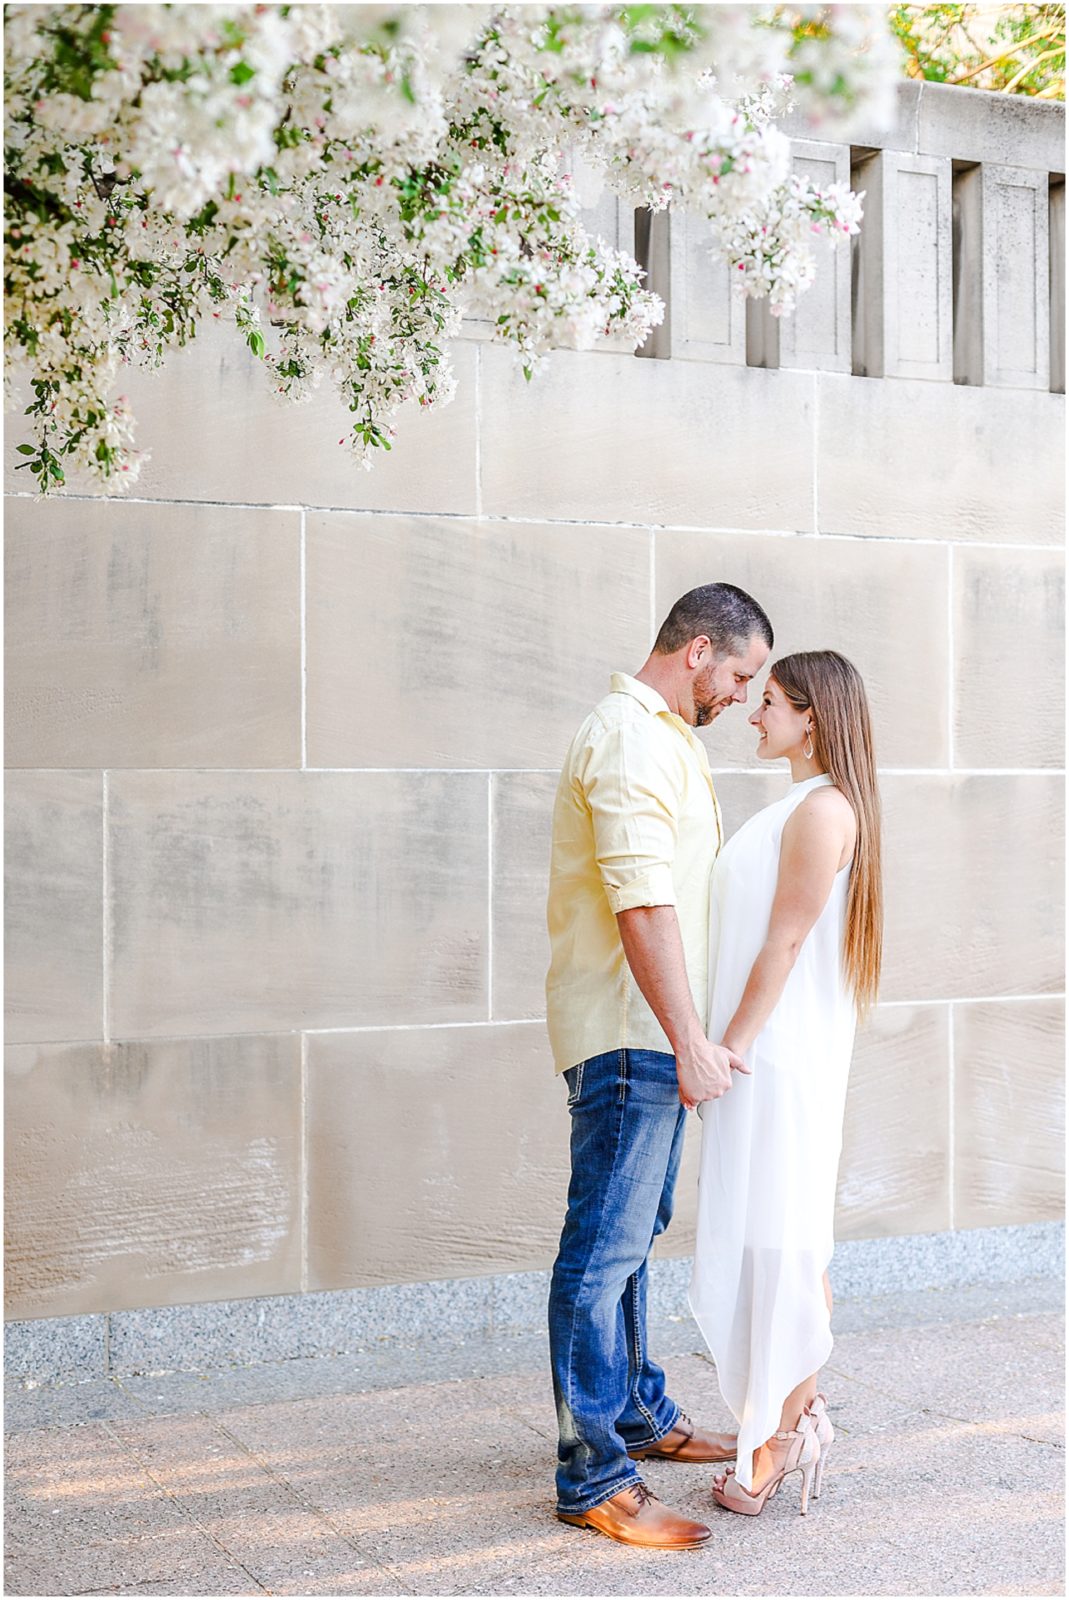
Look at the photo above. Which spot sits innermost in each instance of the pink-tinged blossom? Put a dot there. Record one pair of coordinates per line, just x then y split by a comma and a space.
347, 183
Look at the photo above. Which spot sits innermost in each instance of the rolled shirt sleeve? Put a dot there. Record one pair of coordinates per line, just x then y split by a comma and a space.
632, 788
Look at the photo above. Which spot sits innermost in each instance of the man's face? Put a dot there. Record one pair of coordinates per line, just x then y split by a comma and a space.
719, 684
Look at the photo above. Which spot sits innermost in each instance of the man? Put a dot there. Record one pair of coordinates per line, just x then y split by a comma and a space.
636, 829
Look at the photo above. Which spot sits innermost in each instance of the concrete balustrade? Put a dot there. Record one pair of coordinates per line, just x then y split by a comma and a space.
286, 737
903, 323
707, 311
1002, 289
951, 276
818, 336
1056, 256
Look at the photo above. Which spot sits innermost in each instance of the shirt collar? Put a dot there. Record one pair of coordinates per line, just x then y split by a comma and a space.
657, 705
620, 683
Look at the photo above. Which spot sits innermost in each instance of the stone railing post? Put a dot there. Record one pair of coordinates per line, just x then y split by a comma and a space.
705, 318
903, 311
1056, 253
816, 336
653, 252
1002, 299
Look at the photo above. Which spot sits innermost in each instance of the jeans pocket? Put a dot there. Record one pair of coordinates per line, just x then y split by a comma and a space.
574, 1079
649, 1077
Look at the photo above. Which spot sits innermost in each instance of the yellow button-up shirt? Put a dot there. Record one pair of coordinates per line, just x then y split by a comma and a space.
635, 823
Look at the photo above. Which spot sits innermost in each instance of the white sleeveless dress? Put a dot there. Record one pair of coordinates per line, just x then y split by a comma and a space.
770, 1146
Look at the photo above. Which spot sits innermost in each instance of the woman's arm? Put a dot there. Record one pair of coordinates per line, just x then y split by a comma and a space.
653, 946
815, 840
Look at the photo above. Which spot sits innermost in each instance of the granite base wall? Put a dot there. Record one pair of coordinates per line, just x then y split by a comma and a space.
233, 1333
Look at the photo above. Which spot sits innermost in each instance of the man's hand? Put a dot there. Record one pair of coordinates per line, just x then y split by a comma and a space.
654, 950
704, 1071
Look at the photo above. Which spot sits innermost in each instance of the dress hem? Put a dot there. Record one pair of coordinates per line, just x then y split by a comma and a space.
746, 1480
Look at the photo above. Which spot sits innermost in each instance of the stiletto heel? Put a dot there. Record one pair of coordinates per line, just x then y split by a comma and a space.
821, 1422
803, 1455
808, 1470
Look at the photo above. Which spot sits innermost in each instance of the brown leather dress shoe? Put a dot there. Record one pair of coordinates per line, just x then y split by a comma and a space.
688, 1443
636, 1516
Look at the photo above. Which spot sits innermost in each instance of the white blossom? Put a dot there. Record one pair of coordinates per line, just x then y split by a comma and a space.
344, 183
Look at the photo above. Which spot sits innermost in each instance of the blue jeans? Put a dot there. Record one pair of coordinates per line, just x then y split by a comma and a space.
627, 1139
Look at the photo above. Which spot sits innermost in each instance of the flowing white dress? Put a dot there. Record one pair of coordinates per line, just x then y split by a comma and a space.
771, 1145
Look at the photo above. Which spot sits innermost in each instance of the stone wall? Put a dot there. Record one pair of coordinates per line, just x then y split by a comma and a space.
283, 739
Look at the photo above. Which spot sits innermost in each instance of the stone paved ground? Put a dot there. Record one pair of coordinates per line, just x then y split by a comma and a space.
414, 1471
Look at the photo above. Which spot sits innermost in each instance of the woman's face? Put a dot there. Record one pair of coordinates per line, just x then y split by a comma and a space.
781, 729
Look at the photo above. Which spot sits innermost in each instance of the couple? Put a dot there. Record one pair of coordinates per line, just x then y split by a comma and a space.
687, 975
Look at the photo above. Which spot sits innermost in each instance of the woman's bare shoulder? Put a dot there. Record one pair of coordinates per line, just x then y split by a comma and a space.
824, 810
827, 799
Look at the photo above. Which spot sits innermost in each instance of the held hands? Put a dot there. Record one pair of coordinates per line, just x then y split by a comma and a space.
704, 1071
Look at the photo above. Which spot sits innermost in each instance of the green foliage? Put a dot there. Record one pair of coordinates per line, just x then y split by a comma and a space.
1014, 49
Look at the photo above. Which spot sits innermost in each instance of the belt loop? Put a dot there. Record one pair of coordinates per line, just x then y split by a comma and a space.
573, 1098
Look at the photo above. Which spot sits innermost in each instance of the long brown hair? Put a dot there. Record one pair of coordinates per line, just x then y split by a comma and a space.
829, 685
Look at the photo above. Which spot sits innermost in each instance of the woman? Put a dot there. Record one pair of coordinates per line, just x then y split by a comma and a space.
796, 914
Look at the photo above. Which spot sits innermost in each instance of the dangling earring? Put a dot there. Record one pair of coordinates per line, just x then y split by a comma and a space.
807, 748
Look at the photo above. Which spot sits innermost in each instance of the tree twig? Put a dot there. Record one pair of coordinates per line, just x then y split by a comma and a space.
1035, 38
1044, 55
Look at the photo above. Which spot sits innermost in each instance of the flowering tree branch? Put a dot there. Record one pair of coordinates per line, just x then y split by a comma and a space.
345, 183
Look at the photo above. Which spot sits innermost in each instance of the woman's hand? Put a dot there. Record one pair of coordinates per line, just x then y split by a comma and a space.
704, 1071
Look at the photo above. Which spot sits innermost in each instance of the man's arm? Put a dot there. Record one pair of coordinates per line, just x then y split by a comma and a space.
654, 950
631, 789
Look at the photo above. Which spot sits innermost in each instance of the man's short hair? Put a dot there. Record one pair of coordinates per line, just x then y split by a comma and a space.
728, 617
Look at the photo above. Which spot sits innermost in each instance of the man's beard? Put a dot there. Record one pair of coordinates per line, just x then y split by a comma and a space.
704, 714
705, 710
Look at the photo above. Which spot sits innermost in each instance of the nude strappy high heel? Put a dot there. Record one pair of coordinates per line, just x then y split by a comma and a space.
821, 1422
803, 1455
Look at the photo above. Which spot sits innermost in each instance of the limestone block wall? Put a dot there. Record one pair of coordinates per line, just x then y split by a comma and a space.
283, 738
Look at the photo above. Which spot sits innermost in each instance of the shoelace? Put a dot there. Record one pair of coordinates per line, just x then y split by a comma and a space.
642, 1493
